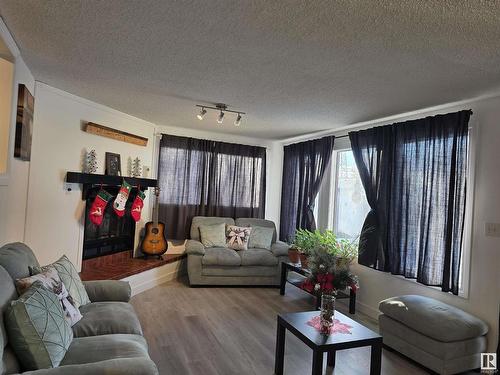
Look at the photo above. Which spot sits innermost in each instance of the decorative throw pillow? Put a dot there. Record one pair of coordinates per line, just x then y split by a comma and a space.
51, 281
38, 332
70, 278
213, 235
261, 238
237, 237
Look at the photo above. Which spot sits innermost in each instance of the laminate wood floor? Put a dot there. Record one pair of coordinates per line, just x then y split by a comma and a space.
232, 331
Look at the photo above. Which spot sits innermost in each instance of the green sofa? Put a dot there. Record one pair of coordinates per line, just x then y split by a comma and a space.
224, 266
107, 340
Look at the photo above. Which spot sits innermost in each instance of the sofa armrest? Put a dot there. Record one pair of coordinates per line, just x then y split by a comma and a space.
118, 366
108, 290
194, 248
280, 248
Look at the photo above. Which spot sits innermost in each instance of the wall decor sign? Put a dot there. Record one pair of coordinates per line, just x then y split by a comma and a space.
117, 135
24, 124
113, 164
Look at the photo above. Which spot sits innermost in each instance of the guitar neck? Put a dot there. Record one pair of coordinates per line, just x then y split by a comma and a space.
156, 207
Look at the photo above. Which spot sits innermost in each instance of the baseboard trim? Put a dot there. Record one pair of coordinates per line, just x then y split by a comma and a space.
156, 276
367, 310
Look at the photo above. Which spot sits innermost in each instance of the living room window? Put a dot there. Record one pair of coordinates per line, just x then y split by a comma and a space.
350, 206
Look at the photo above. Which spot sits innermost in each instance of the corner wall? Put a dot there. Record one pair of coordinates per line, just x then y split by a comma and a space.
54, 217
14, 185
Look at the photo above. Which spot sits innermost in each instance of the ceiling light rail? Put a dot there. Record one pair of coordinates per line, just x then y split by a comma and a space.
222, 108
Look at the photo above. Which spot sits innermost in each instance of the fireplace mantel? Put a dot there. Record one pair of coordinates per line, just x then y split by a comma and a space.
89, 180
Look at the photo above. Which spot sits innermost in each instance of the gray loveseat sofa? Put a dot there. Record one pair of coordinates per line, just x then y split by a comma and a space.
224, 266
107, 340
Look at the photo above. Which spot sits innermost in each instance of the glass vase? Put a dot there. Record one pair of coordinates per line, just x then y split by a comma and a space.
327, 314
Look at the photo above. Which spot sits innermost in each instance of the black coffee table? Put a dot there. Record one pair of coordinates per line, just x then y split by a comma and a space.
288, 266
296, 323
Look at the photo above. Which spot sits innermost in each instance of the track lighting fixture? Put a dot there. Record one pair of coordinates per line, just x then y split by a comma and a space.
222, 108
221, 117
201, 114
237, 122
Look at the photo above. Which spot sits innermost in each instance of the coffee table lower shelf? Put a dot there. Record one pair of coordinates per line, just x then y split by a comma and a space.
287, 266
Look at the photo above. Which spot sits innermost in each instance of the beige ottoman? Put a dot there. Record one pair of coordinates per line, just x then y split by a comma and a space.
441, 337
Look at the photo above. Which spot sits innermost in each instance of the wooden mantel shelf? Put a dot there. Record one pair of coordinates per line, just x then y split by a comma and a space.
89, 180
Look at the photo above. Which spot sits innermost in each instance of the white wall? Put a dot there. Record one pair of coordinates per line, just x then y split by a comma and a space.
54, 215
484, 284
14, 184
274, 160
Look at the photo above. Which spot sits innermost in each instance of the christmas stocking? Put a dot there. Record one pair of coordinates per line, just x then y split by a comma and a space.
137, 205
121, 199
98, 206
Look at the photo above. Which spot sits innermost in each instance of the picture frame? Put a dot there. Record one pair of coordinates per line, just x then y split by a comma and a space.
24, 123
113, 164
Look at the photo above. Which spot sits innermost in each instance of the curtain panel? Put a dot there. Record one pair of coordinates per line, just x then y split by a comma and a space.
304, 166
199, 177
415, 178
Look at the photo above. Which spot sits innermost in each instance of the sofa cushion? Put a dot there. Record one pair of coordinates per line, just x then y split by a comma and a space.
50, 280
70, 278
100, 348
443, 350
258, 257
237, 237
213, 235
433, 318
261, 238
104, 318
217, 256
250, 271
7, 294
38, 332
9, 363
16, 258
253, 222
205, 220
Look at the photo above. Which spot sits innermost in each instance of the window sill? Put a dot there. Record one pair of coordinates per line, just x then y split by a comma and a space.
463, 294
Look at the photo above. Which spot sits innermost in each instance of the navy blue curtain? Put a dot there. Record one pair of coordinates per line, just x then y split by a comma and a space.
415, 178
208, 178
304, 165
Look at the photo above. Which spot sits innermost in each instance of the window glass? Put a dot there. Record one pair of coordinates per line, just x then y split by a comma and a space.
351, 206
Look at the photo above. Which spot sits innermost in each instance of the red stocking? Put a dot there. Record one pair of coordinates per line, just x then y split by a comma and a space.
137, 205
98, 206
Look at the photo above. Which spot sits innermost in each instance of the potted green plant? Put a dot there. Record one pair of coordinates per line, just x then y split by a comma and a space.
305, 241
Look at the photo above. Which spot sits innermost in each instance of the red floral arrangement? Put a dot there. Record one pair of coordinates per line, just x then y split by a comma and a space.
330, 282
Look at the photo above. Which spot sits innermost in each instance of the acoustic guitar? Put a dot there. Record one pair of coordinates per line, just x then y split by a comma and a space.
154, 242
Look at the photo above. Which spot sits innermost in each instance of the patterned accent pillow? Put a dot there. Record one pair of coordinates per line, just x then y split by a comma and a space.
237, 237
38, 332
70, 278
213, 235
50, 280
261, 238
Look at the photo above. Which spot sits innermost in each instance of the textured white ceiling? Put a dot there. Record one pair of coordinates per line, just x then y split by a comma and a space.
293, 66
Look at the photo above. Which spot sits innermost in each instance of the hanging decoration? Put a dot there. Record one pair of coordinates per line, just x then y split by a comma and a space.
121, 198
96, 212
137, 205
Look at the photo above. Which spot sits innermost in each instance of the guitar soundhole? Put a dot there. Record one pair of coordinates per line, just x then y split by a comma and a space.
154, 230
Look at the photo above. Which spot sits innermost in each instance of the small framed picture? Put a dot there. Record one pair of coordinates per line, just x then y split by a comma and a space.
113, 164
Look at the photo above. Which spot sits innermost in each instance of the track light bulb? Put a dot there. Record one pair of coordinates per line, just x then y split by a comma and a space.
238, 120
221, 117
201, 114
